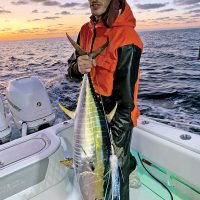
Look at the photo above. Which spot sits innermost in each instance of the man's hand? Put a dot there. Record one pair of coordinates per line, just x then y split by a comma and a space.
85, 64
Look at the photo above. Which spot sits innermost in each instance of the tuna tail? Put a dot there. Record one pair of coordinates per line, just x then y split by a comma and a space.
82, 52
69, 113
79, 50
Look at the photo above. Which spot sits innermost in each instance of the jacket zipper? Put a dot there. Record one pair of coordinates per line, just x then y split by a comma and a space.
94, 36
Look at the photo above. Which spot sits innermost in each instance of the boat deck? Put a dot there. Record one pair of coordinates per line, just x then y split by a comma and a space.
152, 189
59, 181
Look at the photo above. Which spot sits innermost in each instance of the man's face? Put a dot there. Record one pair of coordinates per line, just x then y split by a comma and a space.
98, 7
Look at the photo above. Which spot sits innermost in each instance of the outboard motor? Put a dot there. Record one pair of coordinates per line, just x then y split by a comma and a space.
5, 130
29, 104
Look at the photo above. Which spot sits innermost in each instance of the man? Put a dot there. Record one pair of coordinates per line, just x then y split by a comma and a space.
114, 73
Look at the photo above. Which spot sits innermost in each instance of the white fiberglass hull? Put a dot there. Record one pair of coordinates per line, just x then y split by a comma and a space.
30, 166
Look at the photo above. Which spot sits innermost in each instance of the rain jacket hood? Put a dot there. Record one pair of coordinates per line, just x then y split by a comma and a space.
126, 18
121, 17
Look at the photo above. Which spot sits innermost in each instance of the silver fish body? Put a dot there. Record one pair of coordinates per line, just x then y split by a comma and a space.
91, 144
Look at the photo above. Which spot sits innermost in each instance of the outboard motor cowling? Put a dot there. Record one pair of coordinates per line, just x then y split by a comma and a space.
5, 130
29, 104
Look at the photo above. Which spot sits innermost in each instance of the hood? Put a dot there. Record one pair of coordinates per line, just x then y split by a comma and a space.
113, 18
126, 18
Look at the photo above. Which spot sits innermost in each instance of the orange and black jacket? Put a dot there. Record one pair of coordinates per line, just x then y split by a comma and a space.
116, 74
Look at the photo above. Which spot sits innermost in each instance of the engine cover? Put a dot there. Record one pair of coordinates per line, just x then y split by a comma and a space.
29, 103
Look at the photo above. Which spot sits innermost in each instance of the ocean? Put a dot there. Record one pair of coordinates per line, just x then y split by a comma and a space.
169, 83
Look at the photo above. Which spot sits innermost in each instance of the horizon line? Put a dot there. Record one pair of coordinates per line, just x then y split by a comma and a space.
138, 30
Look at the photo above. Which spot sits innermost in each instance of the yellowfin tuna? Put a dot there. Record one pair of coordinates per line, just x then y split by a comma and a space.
91, 144
91, 140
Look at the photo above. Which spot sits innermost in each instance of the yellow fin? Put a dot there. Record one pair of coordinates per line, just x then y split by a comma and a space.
69, 113
67, 162
112, 113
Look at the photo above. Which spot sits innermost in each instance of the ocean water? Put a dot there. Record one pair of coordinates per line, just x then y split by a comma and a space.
170, 74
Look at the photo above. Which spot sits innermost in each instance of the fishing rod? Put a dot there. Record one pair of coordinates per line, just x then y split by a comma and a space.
141, 161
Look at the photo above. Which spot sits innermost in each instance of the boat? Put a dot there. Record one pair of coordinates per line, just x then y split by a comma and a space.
31, 167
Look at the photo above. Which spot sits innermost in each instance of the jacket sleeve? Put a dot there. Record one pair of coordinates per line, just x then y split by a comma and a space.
123, 91
73, 65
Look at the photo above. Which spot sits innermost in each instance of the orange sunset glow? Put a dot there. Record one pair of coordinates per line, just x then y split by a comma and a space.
26, 19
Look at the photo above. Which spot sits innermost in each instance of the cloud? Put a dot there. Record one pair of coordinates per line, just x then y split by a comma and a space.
85, 5
52, 30
34, 20
2, 11
196, 15
194, 11
51, 3
69, 5
38, 1
191, 7
151, 6
34, 11
47, 2
20, 2
73, 5
51, 18
192, 21
163, 18
65, 13
6, 29
181, 19
186, 2
167, 10
25, 30
142, 21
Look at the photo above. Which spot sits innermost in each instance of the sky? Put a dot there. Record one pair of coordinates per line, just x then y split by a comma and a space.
26, 19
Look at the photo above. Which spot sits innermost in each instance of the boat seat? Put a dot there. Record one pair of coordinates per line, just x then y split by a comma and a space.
27, 150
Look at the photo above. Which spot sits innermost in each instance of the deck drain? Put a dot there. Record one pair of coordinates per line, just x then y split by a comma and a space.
185, 137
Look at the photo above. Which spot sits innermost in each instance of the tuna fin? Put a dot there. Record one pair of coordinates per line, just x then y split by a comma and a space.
69, 113
112, 113
68, 162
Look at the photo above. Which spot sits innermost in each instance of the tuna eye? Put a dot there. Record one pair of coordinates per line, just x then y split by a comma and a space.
91, 164
39, 104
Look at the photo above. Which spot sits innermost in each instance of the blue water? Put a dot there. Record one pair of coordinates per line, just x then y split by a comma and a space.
170, 73
170, 76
